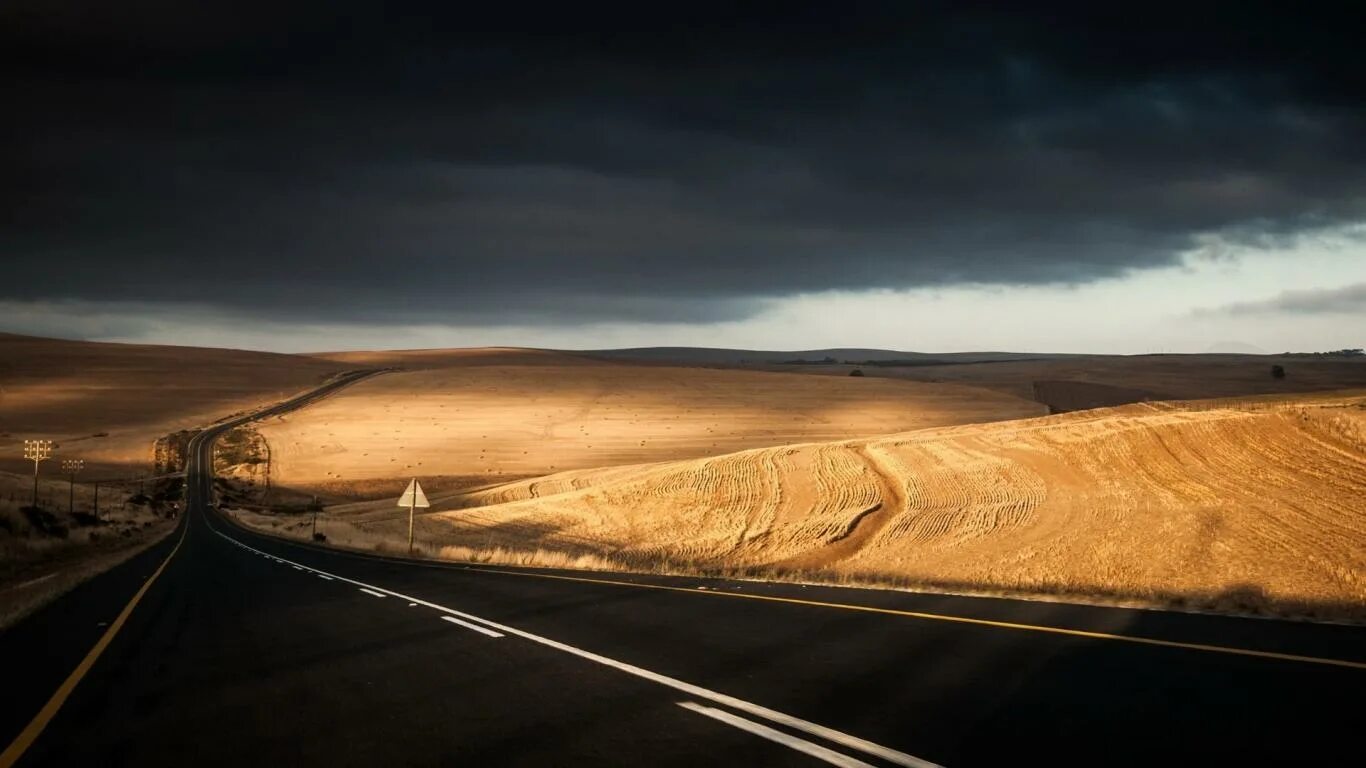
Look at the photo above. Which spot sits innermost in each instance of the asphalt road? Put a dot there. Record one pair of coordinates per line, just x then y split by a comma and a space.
246, 650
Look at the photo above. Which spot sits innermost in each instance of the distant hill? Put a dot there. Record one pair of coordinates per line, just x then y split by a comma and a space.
113, 400
1235, 348
722, 356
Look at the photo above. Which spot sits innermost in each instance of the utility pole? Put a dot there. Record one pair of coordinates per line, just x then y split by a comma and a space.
37, 451
72, 466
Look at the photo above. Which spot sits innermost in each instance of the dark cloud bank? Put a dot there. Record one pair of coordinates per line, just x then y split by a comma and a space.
380, 163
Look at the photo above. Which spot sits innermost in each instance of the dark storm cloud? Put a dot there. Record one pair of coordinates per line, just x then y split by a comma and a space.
351, 160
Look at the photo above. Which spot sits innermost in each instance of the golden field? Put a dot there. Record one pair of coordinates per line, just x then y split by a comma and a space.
488, 415
1251, 504
936, 476
108, 403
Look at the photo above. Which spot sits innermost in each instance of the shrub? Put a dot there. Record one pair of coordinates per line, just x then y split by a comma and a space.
1277, 372
40, 519
856, 372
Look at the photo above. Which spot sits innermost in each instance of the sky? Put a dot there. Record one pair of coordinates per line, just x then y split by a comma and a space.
916, 176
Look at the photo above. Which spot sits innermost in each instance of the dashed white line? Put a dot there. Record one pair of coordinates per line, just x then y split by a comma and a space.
829, 734
329, 578
774, 735
475, 627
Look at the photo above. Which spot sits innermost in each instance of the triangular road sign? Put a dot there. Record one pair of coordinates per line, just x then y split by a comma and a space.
407, 499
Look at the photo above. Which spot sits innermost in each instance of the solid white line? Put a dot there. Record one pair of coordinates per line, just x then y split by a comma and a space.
787, 740
373, 592
474, 627
829, 734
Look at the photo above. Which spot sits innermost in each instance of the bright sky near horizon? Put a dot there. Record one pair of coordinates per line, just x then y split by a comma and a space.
1305, 296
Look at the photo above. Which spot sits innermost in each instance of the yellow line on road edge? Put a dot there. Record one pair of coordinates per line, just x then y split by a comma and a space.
35, 727
956, 619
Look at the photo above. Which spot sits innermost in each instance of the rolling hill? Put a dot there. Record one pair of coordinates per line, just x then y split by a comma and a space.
1249, 503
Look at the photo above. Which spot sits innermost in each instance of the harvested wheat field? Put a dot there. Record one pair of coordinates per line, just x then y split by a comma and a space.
108, 403
547, 412
1252, 504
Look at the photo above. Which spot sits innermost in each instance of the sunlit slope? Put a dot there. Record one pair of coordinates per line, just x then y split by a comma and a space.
109, 402
548, 412
1141, 500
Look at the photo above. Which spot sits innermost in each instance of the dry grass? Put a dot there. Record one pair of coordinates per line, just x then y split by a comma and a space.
1248, 504
551, 412
345, 535
108, 403
37, 566
59, 576
539, 458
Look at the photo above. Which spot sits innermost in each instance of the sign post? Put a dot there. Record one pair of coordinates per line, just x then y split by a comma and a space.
72, 466
37, 451
412, 499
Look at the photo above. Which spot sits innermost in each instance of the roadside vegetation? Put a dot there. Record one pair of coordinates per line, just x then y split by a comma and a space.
48, 549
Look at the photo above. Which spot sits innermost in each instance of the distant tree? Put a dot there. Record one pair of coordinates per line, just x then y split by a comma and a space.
856, 372
1277, 372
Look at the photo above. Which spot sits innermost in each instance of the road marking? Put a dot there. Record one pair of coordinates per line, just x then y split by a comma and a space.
372, 592
829, 734
955, 619
35, 726
772, 734
329, 578
297, 568
1137, 639
475, 627
30, 582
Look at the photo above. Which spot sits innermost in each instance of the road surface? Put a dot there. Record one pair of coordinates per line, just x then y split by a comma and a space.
221, 646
